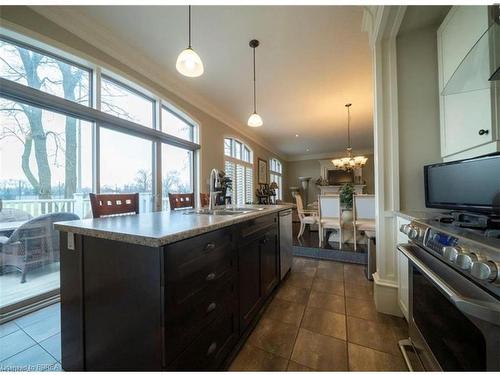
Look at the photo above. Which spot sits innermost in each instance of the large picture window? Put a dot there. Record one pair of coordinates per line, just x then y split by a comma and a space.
122, 101
239, 167
44, 72
177, 172
174, 124
45, 176
126, 166
53, 153
276, 175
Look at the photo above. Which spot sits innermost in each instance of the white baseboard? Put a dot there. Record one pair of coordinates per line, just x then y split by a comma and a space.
386, 296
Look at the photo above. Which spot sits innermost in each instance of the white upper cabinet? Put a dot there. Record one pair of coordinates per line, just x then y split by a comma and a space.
468, 117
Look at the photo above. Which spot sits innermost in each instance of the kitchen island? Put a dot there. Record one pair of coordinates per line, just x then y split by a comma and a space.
158, 291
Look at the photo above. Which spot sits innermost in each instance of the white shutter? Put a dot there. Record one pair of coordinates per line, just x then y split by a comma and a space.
230, 172
249, 185
240, 184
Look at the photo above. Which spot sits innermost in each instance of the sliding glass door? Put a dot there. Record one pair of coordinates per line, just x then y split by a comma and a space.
45, 176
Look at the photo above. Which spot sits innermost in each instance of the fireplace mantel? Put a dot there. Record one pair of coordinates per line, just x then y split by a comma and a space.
327, 165
334, 189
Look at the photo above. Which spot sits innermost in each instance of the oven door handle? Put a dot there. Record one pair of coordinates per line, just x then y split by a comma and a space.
487, 311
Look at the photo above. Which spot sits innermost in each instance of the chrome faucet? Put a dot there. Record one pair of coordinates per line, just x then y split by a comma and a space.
215, 187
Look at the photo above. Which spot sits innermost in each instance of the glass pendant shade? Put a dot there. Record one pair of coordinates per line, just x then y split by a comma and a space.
255, 120
189, 63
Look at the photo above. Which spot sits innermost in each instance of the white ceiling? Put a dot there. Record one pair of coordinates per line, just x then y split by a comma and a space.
311, 61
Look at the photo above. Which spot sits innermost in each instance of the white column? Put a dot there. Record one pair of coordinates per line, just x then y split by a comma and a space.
382, 24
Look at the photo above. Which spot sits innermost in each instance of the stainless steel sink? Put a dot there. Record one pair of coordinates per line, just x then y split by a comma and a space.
223, 211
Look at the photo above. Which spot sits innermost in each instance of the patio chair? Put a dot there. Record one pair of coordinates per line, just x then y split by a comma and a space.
34, 244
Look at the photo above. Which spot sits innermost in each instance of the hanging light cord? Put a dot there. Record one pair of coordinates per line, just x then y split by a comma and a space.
254, 100
189, 22
348, 126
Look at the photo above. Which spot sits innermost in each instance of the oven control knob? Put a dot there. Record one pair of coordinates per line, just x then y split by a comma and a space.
450, 253
402, 228
486, 271
464, 260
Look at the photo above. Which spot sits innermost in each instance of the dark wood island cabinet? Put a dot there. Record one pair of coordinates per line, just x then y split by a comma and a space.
185, 305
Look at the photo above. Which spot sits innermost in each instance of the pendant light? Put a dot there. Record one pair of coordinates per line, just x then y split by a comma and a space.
254, 120
189, 63
350, 162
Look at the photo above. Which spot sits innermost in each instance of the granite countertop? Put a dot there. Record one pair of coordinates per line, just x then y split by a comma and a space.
416, 214
160, 228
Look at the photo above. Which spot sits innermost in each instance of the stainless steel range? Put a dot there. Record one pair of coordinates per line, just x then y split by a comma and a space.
454, 306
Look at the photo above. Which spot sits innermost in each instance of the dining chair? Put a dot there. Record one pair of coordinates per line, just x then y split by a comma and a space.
306, 217
204, 199
114, 204
329, 216
363, 214
181, 201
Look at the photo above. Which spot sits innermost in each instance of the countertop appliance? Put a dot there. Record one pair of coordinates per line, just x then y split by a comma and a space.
286, 244
454, 302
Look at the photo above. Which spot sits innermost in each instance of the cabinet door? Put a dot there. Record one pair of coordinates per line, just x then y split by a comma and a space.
249, 281
466, 118
269, 262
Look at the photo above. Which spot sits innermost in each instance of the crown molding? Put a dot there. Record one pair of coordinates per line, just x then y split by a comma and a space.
103, 39
328, 155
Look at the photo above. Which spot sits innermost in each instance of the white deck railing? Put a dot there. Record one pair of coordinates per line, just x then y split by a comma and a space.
78, 205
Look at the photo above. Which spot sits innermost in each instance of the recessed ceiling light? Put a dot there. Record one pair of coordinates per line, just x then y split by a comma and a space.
296, 136
307, 150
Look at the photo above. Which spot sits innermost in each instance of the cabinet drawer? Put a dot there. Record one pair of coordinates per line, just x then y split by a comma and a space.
256, 227
211, 347
197, 264
185, 322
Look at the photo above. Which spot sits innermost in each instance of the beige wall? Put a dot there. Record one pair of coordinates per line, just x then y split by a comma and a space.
418, 108
311, 168
212, 131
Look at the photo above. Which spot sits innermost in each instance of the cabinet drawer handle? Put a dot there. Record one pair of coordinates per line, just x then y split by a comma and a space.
211, 276
483, 132
209, 246
211, 307
212, 348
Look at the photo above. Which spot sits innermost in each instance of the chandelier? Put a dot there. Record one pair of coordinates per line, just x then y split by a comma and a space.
350, 162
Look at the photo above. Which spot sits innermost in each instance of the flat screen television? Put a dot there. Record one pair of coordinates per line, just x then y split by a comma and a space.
469, 185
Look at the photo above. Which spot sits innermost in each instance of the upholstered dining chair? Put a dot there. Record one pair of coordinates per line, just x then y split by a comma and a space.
363, 214
114, 204
306, 217
329, 216
204, 199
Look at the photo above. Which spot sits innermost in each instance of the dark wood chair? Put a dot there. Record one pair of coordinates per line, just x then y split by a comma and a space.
204, 199
114, 204
178, 201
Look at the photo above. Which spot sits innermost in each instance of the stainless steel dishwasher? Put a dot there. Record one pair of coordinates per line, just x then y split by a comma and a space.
286, 245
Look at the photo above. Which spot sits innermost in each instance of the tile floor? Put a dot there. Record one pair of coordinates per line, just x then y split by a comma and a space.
323, 318
32, 342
